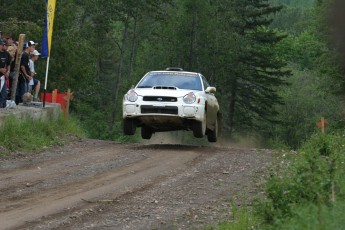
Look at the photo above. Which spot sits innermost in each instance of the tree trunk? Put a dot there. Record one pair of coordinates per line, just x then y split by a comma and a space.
119, 75
133, 50
191, 44
232, 100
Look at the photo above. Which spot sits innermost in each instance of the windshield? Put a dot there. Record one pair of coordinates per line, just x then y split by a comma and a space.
179, 80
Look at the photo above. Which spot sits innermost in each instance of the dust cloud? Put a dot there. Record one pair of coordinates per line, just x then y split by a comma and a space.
186, 138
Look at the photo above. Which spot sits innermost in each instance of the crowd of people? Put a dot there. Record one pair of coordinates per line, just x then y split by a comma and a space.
28, 85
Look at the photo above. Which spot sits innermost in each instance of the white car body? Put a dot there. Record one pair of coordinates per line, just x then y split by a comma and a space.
163, 101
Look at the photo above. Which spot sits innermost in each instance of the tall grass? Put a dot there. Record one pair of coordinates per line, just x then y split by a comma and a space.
34, 136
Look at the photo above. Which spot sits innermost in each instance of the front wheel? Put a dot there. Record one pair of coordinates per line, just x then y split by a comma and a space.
146, 133
129, 126
212, 135
199, 128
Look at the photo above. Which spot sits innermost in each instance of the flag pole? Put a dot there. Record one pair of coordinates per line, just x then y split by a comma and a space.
45, 83
47, 37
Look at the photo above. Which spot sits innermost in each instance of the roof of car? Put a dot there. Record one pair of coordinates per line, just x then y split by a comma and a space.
175, 72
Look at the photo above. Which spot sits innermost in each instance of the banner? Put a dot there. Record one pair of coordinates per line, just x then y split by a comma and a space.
48, 28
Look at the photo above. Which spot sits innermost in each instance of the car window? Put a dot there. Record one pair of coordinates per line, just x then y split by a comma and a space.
206, 84
179, 80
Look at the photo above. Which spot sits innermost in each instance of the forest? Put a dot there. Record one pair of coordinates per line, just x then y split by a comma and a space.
276, 64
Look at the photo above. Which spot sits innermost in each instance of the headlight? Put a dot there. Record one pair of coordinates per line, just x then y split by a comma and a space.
189, 98
132, 96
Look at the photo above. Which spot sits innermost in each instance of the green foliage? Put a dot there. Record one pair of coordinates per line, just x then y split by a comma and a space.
296, 3
20, 17
243, 219
318, 217
259, 70
303, 49
315, 176
295, 16
316, 77
35, 136
305, 102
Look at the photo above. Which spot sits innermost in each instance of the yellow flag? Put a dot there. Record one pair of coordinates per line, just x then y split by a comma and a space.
50, 20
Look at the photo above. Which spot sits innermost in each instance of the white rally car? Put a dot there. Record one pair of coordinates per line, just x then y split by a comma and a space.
172, 100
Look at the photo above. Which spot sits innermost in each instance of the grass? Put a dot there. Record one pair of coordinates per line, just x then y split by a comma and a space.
243, 219
35, 136
316, 217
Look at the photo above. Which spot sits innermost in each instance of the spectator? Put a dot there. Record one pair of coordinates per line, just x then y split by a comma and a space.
34, 83
12, 50
11, 41
24, 74
4, 72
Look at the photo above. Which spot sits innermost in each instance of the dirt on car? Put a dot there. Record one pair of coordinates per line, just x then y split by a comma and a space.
93, 184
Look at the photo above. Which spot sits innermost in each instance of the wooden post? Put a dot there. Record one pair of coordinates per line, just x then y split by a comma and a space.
17, 66
68, 98
322, 124
54, 95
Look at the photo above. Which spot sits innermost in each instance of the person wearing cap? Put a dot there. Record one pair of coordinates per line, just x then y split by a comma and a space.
25, 73
34, 82
5, 63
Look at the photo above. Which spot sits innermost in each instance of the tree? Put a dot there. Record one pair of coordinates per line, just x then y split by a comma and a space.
254, 69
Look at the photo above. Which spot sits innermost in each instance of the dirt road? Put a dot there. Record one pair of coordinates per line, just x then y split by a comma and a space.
91, 184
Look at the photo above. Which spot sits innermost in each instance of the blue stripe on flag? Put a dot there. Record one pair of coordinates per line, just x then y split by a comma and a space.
45, 52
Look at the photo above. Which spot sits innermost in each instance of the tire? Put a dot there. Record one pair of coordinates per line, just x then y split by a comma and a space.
129, 127
146, 133
199, 128
212, 135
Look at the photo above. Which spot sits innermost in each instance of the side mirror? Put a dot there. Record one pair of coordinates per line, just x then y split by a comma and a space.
210, 89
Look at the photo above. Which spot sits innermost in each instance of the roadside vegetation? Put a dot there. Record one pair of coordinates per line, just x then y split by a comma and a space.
305, 190
26, 135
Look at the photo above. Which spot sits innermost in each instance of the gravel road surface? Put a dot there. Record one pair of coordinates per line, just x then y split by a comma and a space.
92, 184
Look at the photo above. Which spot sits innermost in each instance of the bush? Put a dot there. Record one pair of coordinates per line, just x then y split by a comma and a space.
317, 217
312, 178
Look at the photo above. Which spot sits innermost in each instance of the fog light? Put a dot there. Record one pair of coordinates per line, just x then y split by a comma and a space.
130, 108
189, 110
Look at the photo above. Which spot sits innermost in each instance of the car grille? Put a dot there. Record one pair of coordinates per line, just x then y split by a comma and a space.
157, 109
163, 99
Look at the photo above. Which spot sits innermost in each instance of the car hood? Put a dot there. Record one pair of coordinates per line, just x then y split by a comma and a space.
163, 92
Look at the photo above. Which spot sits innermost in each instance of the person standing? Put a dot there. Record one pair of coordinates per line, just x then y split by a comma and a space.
25, 73
12, 50
5, 62
34, 82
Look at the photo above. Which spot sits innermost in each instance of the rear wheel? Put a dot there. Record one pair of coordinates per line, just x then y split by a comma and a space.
199, 128
146, 132
212, 135
129, 126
